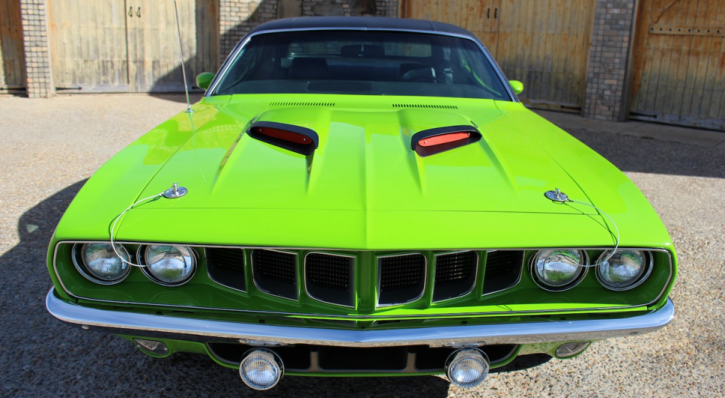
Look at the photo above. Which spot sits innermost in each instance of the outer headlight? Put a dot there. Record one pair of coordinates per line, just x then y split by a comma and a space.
558, 269
169, 265
100, 264
625, 270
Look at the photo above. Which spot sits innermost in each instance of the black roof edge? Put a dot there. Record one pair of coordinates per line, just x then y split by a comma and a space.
343, 23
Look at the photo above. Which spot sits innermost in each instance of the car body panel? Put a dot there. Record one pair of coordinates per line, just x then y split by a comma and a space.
364, 194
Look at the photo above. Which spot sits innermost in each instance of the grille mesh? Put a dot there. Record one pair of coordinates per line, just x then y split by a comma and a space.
401, 271
301, 103
226, 267
503, 270
454, 267
425, 106
275, 265
455, 275
402, 278
275, 272
226, 258
329, 271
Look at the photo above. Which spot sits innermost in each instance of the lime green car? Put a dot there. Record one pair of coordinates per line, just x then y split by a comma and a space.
361, 197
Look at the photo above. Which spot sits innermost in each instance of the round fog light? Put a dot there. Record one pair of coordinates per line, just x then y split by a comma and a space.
467, 368
261, 369
570, 349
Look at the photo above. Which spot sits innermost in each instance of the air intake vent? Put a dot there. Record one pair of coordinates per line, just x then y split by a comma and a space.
402, 278
275, 272
455, 275
226, 267
301, 103
425, 106
503, 270
330, 278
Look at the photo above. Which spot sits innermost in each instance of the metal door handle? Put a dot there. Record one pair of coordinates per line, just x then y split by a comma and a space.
130, 12
138, 12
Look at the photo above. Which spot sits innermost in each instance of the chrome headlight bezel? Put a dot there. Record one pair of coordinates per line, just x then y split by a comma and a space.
582, 272
142, 255
640, 279
79, 261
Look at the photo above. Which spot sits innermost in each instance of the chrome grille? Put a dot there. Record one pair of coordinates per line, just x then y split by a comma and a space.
275, 272
503, 270
402, 278
330, 278
226, 267
455, 275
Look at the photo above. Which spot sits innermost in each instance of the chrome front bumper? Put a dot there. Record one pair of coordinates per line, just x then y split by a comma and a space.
206, 330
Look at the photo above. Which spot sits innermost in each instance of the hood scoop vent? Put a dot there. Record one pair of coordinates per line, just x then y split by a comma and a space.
293, 138
301, 103
433, 141
425, 106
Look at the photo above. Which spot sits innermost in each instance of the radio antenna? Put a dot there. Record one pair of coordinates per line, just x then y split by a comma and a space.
181, 55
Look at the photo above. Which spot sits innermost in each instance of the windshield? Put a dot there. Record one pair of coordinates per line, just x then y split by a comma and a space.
364, 63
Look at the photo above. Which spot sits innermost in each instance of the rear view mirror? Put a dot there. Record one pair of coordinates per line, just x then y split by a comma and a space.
517, 86
203, 80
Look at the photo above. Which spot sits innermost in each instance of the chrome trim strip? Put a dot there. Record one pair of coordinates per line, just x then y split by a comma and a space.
512, 333
227, 62
435, 268
521, 272
206, 263
380, 281
430, 316
297, 282
494, 65
304, 277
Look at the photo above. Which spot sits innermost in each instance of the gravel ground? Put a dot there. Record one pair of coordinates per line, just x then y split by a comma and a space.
52, 146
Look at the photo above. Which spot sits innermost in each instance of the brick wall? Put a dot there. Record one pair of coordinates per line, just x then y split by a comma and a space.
37, 49
381, 8
237, 17
608, 60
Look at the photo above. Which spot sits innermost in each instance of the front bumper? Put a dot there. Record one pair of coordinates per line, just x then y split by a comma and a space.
203, 330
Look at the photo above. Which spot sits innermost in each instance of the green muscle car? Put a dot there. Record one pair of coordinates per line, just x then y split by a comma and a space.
361, 197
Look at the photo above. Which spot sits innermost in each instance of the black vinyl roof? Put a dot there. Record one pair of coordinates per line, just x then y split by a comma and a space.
383, 23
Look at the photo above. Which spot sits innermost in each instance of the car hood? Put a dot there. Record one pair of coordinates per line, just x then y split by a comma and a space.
363, 188
364, 162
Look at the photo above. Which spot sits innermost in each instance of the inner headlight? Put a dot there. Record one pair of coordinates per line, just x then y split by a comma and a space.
558, 269
625, 270
100, 264
169, 265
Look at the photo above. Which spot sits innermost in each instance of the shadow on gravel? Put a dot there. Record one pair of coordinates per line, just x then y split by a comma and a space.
42, 357
645, 155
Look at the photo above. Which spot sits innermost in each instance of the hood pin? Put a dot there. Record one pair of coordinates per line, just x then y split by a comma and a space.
557, 196
175, 192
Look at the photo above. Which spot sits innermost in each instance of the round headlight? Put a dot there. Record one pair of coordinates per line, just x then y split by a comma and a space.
625, 270
558, 269
100, 264
169, 265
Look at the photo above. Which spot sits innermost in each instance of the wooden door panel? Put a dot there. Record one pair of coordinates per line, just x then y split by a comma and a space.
12, 65
543, 43
153, 42
88, 45
679, 63
478, 16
